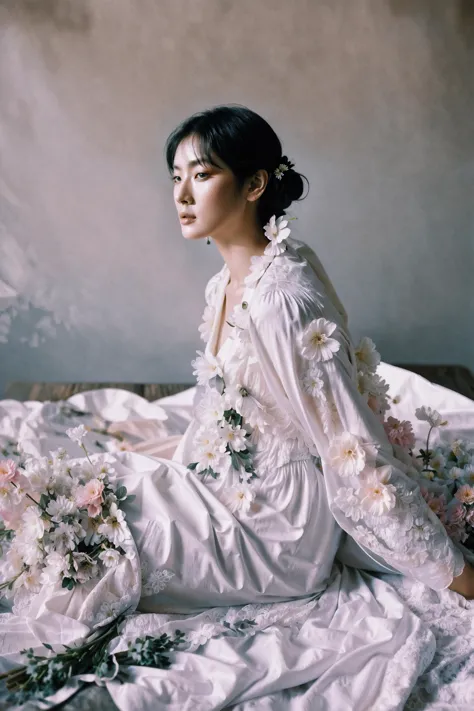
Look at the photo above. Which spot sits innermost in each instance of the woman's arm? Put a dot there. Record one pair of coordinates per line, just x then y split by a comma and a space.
369, 493
464, 583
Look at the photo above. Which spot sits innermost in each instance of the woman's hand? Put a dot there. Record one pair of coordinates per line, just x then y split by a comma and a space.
464, 583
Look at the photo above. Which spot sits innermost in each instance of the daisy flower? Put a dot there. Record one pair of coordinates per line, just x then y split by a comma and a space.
114, 527
235, 436
77, 434
206, 367
239, 498
400, 432
316, 342
368, 358
210, 408
377, 496
276, 230
313, 383
347, 455
465, 494
426, 414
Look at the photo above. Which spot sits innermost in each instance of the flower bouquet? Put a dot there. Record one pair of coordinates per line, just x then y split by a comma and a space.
63, 525
62, 520
444, 473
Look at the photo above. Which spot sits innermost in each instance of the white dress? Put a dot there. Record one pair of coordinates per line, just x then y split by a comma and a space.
273, 620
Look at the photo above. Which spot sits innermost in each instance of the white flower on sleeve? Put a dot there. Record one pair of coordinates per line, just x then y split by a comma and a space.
426, 414
316, 342
206, 367
210, 408
377, 496
368, 358
313, 383
349, 503
207, 437
238, 498
77, 434
258, 264
207, 322
235, 436
347, 455
214, 458
276, 230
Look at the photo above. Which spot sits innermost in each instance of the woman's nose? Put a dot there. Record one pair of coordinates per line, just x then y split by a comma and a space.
184, 194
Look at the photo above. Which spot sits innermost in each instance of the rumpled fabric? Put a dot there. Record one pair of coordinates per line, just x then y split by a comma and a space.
292, 605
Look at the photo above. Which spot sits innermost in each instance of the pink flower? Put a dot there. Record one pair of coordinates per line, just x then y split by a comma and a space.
470, 517
456, 513
90, 495
456, 531
8, 471
436, 503
400, 433
465, 494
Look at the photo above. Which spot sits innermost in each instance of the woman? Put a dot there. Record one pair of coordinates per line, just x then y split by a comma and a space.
237, 535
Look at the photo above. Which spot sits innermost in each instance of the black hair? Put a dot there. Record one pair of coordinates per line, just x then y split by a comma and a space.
245, 142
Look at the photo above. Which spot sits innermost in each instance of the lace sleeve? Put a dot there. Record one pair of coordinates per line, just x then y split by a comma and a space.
308, 362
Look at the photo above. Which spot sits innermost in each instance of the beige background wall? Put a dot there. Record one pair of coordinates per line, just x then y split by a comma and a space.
374, 102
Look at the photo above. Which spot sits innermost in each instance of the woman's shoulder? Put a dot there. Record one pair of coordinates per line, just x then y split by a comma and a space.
292, 286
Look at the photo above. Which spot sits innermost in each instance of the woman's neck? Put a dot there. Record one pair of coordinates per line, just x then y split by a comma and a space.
238, 253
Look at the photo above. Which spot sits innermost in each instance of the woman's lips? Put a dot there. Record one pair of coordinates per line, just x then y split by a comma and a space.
186, 220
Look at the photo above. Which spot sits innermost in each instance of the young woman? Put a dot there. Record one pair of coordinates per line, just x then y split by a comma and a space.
237, 535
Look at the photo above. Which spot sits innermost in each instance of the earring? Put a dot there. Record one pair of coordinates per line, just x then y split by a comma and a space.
208, 240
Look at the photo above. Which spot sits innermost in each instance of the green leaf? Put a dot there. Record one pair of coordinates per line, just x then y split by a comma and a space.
130, 497
192, 466
121, 492
48, 646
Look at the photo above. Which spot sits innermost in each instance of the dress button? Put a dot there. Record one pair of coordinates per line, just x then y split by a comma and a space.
244, 304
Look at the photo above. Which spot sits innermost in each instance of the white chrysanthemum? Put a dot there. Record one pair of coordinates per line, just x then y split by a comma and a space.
31, 579
455, 473
427, 414
114, 527
56, 566
110, 557
33, 525
28, 548
313, 384
277, 231
368, 358
316, 342
238, 498
209, 437
85, 567
59, 507
377, 496
207, 322
213, 458
437, 462
372, 384
63, 538
210, 408
349, 503
347, 455
206, 367
9, 496
235, 436
77, 434
12, 562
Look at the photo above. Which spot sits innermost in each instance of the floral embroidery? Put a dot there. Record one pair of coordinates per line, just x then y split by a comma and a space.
153, 583
316, 342
313, 383
206, 367
207, 322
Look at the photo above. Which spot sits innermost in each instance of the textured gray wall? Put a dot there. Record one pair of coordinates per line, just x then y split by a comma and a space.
373, 100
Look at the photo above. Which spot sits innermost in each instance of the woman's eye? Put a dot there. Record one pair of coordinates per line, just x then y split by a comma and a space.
205, 174
174, 178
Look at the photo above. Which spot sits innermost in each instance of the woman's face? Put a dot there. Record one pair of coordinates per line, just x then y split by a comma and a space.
208, 193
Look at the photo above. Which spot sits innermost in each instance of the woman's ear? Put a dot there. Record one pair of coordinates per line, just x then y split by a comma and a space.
256, 185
